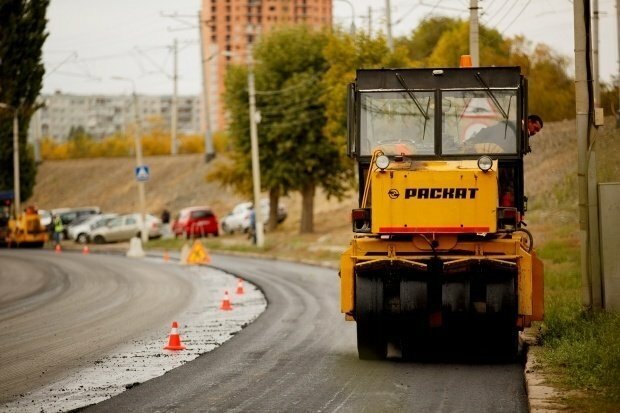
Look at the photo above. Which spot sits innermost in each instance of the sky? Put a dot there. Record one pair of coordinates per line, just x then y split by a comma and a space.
93, 43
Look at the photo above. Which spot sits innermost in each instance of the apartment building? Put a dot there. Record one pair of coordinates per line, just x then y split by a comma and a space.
231, 26
105, 115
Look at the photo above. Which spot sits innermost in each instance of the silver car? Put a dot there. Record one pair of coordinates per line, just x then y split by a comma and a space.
80, 231
239, 218
125, 227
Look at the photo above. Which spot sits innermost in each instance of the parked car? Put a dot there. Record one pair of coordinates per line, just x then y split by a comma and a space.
69, 215
196, 221
46, 218
239, 218
125, 227
79, 231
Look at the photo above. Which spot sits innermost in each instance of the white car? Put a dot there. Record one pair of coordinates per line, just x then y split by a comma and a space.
239, 218
80, 231
125, 227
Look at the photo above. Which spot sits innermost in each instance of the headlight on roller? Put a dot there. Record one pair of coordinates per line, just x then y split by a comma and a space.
382, 162
485, 163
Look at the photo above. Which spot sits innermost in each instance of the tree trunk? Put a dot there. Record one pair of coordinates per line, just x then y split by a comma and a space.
307, 209
274, 197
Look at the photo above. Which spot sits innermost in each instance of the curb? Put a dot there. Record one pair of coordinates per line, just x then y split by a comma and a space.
541, 397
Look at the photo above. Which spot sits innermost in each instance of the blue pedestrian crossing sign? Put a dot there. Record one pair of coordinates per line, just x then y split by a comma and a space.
142, 173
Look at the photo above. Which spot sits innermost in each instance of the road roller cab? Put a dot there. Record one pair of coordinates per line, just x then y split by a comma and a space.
439, 240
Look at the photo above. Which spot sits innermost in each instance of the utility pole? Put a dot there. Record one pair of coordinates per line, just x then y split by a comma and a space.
595, 57
258, 218
144, 232
618, 43
173, 106
591, 286
388, 25
474, 48
206, 107
16, 183
36, 129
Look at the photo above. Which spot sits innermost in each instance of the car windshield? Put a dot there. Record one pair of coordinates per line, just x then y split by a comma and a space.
397, 122
477, 122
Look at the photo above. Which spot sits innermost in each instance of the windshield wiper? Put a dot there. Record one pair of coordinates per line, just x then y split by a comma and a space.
412, 96
492, 96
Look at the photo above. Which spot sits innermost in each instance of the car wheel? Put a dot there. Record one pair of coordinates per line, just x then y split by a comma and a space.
99, 239
216, 234
226, 230
82, 238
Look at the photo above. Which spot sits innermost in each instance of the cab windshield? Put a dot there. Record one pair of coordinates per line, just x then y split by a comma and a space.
397, 122
475, 122
472, 122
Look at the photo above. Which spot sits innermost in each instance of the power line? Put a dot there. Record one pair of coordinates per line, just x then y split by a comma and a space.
517, 16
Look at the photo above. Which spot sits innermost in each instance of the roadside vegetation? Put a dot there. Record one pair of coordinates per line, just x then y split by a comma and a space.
580, 348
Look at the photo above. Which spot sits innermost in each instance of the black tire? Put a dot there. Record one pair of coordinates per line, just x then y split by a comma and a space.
82, 238
371, 345
371, 341
99, 239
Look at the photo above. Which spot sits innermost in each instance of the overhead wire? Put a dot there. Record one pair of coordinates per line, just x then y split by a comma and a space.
517, 16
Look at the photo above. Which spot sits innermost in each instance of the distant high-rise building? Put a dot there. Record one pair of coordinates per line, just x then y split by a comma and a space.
231, 26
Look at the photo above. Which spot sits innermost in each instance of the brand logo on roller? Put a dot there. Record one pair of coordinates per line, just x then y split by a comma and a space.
441, 193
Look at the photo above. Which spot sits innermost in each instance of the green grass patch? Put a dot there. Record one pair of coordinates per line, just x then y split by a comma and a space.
581, 348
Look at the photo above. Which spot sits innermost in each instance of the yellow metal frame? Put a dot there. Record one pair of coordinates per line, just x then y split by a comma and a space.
510, 251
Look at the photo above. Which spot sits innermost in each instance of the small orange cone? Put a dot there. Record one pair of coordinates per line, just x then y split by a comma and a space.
58, 249
226, 302
85, 250
174, 340
239, 286
166, 256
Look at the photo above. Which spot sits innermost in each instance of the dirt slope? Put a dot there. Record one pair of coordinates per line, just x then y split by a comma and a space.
179, 181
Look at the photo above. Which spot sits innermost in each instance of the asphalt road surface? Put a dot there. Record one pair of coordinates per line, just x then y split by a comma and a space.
300, 356
57, 310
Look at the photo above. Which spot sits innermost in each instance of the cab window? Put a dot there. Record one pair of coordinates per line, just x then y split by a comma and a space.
479, 122
397, 122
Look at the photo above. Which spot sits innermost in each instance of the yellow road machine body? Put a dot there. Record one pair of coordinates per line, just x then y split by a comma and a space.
23, 231
439, 247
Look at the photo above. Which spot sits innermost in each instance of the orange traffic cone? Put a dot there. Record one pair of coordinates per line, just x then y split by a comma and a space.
166, 256
226, 302
239, 286
174, 340
85, 250
58, 249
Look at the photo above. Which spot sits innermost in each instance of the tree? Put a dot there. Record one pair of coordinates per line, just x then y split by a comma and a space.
22, 34
295, 154
440, 41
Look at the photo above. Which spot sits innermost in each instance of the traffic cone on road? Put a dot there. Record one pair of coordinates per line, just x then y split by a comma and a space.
226, 306
85, 250
174, 340
239, 287
166, 256
58, 249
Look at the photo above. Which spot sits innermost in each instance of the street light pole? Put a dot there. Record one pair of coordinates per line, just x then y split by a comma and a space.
258, 218
16, 182
144, 233
352, 30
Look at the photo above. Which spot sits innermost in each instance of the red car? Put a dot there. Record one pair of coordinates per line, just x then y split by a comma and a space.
194, 222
